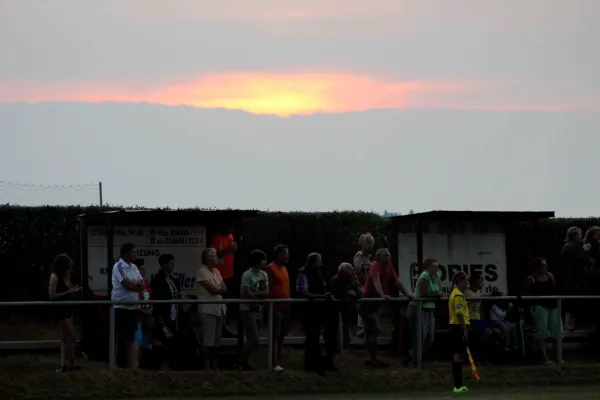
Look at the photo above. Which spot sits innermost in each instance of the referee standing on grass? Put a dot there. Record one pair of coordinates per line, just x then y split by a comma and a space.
459, 328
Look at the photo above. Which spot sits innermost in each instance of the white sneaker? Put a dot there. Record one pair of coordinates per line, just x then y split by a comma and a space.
278, 369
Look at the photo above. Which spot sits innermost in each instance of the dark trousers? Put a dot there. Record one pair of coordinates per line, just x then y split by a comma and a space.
596, 321
315, 321
233, 292
594, 289
346, 313
166, 352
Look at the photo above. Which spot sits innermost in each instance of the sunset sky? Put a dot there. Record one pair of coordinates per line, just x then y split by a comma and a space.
310, 105
289, 57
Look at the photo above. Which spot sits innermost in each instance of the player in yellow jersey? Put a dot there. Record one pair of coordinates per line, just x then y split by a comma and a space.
459, 327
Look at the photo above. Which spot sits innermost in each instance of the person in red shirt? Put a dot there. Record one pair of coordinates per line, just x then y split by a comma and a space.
226, 246
381, 276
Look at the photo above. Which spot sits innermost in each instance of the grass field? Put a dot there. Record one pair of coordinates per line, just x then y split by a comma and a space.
33, 377
480, 393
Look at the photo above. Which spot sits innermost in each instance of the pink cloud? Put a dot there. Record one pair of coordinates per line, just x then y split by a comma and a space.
279, 93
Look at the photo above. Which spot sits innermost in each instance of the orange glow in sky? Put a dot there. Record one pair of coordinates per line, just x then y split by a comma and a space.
258, 93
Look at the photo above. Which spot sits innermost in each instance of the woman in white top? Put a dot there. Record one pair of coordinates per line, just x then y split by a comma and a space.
210, 286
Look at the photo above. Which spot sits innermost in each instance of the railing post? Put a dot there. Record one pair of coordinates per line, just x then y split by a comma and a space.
418, 351
111, 340
270, 337
559, 328
340, 333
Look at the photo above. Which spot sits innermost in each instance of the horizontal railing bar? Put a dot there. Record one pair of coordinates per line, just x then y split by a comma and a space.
276, 301
33, 345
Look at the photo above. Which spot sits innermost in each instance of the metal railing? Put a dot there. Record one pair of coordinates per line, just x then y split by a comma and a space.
270, 302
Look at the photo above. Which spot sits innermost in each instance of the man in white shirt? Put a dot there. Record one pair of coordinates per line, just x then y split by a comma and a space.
210, 286
127, 282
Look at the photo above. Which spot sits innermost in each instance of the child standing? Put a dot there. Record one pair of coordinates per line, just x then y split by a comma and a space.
145, 324
481, 333
459, 328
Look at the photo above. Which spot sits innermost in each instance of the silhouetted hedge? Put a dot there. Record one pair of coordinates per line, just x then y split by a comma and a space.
30, 237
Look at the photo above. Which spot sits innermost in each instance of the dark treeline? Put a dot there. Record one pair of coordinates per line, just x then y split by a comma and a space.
30, 237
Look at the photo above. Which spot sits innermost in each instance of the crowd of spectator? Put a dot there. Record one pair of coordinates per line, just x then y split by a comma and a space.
370, 275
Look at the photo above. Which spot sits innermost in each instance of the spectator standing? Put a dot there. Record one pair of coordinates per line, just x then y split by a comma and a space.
255, 285
145, 325
127, 283
362, 262
427, 287
226, 246
591, 244
210, 286
279, 288
459, 328
572, 274
164, 287
482, 333
60, 289
311, 285
545, 316
381, 276
343, 286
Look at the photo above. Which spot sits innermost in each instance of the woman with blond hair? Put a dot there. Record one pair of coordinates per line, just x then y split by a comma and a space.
572, 273
362, 262
210, 286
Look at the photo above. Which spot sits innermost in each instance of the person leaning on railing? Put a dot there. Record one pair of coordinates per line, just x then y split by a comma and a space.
381, 276
428, 287
343, 287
